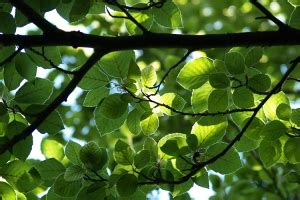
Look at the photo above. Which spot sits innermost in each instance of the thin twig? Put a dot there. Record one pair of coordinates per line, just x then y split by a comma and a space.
268, 15
50, 62
129, 16
205, 113
169, 71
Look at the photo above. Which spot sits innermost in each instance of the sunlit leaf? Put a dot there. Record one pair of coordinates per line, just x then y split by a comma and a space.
195, 73
209, 130
52, 149
149, 123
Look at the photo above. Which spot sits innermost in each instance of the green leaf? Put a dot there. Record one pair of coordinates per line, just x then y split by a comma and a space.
294, 2
127, 185
209, 130
79, 9
52, 124
25, 67
148, 76
113, 106
74, 173
29, 181
51, 195
228, 163
218, 100
105, 125
151, 145
180, 140
7, 192
260, 82
12, 79
235, 63
243, 97
253, 56
52, 149
123, 154
273, 130
66, 188
292, 151
195, 73
192, 141
142, 158
201, 179
295, 117
170, 148
219, 80
144, 17
94, 97
295, 18
51, 53
93, 79
49, 168
284, 111
23, 148
173, 100
14, 128
168, 15
92, 156
48, 5
199, 98
116, 64
72, 152
37, 91
8, 24
246, 144
133, 121
96, 190
269, 152
271, 105
149, 123
13, 170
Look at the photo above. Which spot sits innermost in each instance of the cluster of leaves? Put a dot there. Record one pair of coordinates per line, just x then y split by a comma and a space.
147, 120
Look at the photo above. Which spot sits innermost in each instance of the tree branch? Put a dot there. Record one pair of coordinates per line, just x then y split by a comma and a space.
193, 42
51, 107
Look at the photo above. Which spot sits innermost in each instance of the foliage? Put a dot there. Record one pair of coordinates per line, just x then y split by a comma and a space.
156, 109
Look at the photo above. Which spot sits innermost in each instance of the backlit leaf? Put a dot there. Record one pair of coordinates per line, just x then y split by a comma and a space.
218, 100
235, 63
123, 154
243, 97
149, 123
37, 91
195, 73
231, 159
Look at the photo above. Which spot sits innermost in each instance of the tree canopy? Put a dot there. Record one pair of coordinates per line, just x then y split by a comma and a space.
172, 94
